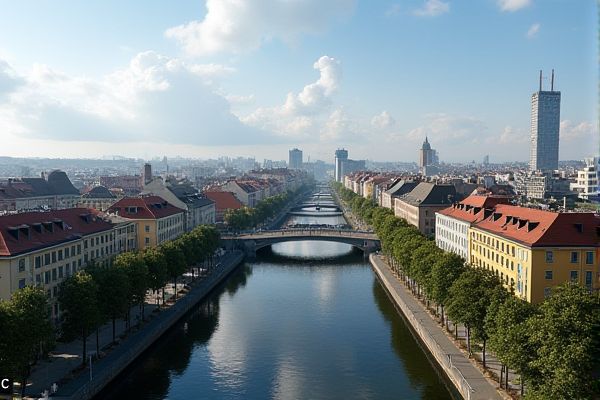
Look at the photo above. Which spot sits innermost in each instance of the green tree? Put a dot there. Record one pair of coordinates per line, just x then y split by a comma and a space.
158, 273
113, 293
176, 264
446, 269
78, 298
137, 276
565, 336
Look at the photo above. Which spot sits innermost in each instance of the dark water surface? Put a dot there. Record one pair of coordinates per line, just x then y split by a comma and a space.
288, 326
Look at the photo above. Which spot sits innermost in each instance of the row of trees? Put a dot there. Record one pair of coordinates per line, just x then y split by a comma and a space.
245, 217
553, 346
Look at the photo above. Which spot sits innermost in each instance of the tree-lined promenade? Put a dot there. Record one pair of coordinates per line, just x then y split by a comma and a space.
552, 346
96, 295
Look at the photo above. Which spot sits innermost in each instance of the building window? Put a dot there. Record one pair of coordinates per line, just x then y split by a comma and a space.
589, 257
38, 262
67, 252
147, 228
588, 278
55, 291
54, 276
548, 275
21, 265
574, 276
60, 272
147, 241
53, 256
549, 257
68, 270
21, 283
574, 257
60, 255
38, 279
78, 249
47, 277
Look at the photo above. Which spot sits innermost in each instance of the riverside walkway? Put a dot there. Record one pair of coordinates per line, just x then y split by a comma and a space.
469, 381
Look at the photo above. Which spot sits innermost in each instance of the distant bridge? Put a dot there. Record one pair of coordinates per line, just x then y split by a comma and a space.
316, 205
366, 241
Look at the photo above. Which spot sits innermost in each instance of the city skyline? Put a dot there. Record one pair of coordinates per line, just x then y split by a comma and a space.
373, 78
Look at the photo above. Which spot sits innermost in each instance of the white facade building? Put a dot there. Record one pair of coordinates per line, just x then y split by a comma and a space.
587, 180
452, 235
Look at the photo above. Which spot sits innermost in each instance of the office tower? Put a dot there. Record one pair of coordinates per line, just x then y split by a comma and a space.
341, 155
295, 161
545, 124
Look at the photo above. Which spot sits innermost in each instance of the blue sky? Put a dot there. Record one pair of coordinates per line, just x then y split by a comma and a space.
257, 77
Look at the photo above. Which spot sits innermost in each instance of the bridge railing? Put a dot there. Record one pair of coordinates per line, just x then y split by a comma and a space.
276, 232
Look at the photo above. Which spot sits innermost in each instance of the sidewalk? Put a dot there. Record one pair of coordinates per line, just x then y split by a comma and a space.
66, 357
468, 379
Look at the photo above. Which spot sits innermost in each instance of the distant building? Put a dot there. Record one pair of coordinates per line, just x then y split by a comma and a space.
545, 126
427, 159
486, 160
399, 189
341, 155
26, 194
131, 185
588, 180
295, 160
98, 198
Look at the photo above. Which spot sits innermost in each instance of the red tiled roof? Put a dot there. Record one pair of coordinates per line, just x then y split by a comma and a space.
224, 200
148, 207
542, 228
485, 201
25, 232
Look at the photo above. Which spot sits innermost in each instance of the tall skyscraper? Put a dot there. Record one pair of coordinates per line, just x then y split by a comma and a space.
341, 155
427, 157
545, 125
295, 159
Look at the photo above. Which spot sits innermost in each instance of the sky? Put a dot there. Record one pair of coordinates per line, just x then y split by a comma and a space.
194, 78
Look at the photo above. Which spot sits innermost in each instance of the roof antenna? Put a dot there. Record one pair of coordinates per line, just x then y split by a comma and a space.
552, 82
540, 80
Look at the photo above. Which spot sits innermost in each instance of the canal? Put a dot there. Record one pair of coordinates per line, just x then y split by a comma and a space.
304, 320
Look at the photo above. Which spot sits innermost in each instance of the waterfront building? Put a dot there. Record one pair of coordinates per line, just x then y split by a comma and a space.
224, 201
249, 192
295, 159
418, 207
533, 250
157, 220
452, 224
55, 192
198, 208
397, 190
44, 248
545, 126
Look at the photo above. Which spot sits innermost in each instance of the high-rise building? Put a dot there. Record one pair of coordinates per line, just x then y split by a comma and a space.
427, 157
545, 124
295, 159
341, 156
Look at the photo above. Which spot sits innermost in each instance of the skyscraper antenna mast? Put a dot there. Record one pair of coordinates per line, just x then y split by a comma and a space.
552, 82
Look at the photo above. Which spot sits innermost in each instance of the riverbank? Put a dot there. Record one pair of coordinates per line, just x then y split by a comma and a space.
467, 379
104, 370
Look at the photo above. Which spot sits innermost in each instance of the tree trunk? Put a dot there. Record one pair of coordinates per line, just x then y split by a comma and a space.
442, 307
501, 375
484, 342
522, 386
506, 381
456, 331
175, 280
469, 340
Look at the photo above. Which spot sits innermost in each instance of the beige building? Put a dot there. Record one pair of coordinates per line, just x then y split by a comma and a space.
418, 207
157, 220
45, 248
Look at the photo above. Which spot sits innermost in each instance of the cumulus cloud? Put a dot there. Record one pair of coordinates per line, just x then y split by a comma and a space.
513, 5
155, 98
383, 120
432, 8
303, 112
339, 126
445, 128
570, 131
510, 135
9, 80
239, 26
533, 31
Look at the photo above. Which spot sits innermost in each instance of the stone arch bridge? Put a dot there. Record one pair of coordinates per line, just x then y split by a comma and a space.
251, 242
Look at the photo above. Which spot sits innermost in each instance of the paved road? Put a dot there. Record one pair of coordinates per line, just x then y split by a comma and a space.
307, 232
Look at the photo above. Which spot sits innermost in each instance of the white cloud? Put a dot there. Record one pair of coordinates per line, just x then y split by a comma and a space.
533, 30
432, 8
510, 135
339, 126
301, 113
9, 79
451, 129
240, 99
383, 120
239, 26
513, 5
570, 131
154, 99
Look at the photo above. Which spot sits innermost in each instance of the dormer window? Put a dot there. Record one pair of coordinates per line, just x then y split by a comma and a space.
579, 227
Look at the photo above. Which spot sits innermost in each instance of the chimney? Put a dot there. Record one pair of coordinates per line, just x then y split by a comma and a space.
147, 173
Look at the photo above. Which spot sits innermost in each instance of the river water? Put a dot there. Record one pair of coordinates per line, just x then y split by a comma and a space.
304, 320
